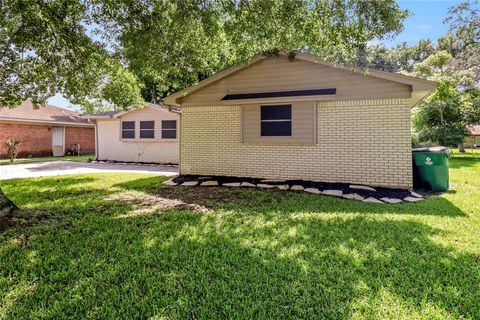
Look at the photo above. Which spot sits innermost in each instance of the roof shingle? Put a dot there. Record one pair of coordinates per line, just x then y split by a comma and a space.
47, 114
474, 130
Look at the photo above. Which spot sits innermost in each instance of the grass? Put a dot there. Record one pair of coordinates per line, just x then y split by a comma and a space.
124, 246
84, 158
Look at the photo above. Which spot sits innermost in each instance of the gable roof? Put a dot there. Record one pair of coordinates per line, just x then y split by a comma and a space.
119, 113
417, 84
47, 114
474, 130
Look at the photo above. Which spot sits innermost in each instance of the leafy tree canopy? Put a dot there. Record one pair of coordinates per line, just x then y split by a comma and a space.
454, 63
109, 52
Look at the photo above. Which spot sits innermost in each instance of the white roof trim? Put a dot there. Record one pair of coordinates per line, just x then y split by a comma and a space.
63, 123
147, 105
121, 113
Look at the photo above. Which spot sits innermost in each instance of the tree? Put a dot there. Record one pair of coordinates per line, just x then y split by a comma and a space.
455, 104
207, 36
97, 53
11, 145
440, 119
444, 116
464, 20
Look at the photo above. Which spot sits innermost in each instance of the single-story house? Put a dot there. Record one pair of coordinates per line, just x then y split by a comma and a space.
149, 135
45, 131
302, 118
473, 138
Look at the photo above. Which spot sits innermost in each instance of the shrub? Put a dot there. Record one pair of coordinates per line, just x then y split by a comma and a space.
11, 146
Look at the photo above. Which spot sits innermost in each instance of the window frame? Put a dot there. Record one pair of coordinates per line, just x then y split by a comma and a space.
122, 130
163, 129
279, 120
152, 130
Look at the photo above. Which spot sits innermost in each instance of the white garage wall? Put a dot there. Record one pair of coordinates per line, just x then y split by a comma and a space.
112, 147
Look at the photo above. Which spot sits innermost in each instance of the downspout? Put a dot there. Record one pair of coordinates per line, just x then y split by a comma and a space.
178, 111
96, 140
180, 144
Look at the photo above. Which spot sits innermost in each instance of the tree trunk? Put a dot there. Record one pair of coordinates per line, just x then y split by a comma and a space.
461, 148
7, 207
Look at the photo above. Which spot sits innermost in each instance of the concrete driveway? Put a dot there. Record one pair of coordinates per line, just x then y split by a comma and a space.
55, 168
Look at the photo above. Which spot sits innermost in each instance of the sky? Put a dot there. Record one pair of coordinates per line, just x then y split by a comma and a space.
426, 21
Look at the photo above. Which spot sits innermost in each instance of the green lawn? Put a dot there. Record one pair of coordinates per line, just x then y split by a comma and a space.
44, 159
124, 246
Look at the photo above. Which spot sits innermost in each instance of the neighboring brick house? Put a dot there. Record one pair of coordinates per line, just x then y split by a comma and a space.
45, 129
302, 119
148, 135
473, 139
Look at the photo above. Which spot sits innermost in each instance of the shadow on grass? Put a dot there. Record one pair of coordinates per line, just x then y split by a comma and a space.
61, 197
264, 201
464, 160
184, 265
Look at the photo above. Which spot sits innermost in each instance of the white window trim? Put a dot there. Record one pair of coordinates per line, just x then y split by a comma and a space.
134, 130
140, 129
168, 129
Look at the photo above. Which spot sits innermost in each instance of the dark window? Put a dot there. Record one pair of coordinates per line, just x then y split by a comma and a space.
276, 120
169, 129
147, 129
128, 129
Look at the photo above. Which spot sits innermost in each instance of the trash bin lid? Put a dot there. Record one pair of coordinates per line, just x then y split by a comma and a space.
431, 149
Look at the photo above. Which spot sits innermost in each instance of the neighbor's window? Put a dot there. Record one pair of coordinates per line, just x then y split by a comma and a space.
169, 129
276, 120
128, 129
147, 129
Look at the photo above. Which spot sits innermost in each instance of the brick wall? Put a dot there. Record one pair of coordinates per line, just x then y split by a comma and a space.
36, 139
84, 136
365, 141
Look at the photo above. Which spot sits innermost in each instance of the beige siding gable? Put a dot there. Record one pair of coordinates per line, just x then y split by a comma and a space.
280, 74
150, 114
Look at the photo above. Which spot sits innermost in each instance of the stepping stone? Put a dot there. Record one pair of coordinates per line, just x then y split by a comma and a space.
190, 183
356, 186
297, 187
372, 200
283, 186
170, 183
272, 181
391, 200
312, 190
337, 193
411, 199
417, 195
265, 186
353, 196
211, 183
231, 184
247, 184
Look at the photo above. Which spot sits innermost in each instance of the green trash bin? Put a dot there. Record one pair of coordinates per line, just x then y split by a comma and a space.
430, 168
